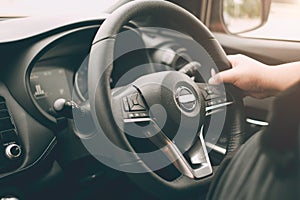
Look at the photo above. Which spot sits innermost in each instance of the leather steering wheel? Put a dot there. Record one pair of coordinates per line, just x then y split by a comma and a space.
115, 111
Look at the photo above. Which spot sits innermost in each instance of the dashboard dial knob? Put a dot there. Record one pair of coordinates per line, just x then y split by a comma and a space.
13, 151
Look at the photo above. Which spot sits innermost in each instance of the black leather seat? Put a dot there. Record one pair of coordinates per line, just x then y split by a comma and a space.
267, 166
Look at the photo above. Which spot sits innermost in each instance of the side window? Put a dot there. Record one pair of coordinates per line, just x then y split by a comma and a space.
269, 19
283, 22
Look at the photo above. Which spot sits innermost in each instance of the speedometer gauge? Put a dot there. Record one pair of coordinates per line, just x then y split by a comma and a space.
80, 84
48, 84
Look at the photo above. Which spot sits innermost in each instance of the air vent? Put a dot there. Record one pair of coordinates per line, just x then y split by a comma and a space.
6, 124
9, 143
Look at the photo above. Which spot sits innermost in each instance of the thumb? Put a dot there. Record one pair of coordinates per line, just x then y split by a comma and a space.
228, 76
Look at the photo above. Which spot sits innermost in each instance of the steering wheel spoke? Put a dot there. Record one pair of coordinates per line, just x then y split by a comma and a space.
194, 164
172, 152
199, 159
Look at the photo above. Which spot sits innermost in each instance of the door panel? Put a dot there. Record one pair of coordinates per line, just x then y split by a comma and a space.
271, 52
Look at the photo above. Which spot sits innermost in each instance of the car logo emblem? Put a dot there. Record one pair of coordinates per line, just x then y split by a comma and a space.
186, 99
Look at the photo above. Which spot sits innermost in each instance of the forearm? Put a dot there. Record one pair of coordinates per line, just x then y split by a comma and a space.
284, 76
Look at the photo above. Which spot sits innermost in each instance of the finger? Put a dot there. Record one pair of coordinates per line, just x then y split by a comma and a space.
228, 76
213, 72
234, 59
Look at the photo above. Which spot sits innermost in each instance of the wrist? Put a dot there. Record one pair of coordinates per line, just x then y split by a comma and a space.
272, 82
283, 76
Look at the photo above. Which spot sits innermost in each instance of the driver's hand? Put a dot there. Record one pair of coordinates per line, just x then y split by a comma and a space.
257, 79
247, 74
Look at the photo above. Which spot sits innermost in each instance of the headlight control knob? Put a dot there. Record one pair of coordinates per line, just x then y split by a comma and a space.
13, 151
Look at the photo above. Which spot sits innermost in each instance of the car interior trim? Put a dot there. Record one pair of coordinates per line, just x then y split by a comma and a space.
257, 122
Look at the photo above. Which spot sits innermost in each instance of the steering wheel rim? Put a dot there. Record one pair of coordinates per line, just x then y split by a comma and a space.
101, 54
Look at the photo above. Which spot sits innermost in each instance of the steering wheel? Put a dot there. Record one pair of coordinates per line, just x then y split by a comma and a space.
133, 108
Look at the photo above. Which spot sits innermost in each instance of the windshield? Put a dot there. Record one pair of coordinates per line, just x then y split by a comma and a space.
15, 8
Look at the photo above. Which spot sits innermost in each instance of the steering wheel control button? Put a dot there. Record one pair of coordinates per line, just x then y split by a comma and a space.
212, 96
138, 115
186, 98
209, 90
125, 104
134, 108
131, 115
13, 151
144, 115
135, 102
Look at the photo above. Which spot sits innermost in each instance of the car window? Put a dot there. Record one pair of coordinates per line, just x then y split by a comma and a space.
283, 22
